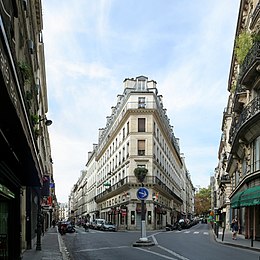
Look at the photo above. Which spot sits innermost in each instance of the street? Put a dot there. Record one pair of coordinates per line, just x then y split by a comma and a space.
196, 243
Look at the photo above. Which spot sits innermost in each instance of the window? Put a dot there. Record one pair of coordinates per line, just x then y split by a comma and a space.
256, 154
141, 124
123, 133
141, 102
127, 150
141, 147
127, 128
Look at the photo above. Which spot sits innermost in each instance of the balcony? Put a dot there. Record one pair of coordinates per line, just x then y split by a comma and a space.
224, 179
247, 126
249, 70
125, 184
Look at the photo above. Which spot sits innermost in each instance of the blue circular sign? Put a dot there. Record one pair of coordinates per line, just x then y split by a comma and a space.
142, 193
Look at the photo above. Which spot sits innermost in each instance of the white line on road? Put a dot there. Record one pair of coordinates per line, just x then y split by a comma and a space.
173, 253
154, 239
205, 233
154, 253
196, 232
102, 248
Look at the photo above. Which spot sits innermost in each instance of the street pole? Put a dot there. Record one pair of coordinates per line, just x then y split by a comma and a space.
143, 225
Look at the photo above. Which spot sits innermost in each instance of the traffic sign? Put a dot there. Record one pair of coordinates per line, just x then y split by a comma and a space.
142, 193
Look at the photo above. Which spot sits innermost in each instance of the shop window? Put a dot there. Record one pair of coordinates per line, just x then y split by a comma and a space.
132, 218
149, 217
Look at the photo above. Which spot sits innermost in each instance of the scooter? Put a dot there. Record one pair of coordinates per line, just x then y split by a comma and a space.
70, 229
175, 226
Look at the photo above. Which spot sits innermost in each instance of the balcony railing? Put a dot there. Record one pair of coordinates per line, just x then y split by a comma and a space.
224, 179
248, 112
124, 184
247, 71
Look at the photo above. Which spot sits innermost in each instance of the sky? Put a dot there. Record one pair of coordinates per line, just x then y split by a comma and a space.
91, 46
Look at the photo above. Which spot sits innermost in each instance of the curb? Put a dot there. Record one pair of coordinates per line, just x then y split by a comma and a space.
62, 247
234, 245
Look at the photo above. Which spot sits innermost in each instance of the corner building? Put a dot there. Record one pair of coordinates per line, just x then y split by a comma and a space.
138, 134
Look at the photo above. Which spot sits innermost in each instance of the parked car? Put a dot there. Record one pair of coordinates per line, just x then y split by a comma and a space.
108, 226
98, 223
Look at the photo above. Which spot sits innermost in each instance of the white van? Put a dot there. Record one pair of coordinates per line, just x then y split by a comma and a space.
98, 223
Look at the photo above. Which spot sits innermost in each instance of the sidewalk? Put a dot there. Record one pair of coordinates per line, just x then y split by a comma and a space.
52, 247
240, 242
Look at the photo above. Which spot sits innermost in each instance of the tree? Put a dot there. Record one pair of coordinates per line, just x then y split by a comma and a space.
203, 201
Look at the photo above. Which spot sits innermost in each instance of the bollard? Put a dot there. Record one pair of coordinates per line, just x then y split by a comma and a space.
223, 232
252, 237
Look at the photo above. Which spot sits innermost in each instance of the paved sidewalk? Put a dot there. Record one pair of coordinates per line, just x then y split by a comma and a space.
52, 247
226, 239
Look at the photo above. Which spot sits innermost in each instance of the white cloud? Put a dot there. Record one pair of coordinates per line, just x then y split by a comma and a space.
91, 46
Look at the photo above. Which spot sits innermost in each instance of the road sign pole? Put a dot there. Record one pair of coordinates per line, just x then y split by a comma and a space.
143, 225
142, 194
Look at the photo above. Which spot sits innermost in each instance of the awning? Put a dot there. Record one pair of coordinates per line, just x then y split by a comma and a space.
235, 201
250, 197
246, 198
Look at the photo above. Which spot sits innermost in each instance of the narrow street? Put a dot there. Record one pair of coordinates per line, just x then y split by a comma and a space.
196, 243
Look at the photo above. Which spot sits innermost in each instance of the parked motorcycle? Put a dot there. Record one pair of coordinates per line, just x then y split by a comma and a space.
175, 226
70, 229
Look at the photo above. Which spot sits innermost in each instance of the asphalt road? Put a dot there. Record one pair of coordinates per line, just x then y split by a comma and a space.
196, 243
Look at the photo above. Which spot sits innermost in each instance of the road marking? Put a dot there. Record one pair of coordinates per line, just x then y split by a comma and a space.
154, 239
101, 248
187, 232
173, 253
154, 253
196, 232
205, 233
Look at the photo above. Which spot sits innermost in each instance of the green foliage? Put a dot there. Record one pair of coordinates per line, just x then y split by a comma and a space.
140, 173
26, 71
203, 201
243, 44
35, 119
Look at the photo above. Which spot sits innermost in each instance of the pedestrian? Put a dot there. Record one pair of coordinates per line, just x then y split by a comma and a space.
234, 227
53, 223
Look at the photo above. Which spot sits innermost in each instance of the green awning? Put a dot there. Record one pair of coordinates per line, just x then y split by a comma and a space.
250, 197
235, 201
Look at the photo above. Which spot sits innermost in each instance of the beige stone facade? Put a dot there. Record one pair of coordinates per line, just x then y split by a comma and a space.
137, 134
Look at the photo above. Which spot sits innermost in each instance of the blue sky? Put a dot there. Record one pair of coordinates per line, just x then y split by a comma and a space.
92, 46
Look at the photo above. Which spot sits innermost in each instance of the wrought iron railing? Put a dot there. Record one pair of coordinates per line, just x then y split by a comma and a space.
130, 180
252, 55
255, 15
248, 112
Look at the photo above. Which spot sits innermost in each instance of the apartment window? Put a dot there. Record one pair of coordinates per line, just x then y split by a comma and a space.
123, 133
256, 154
141, 147
127, 128
141, 124
141, 102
